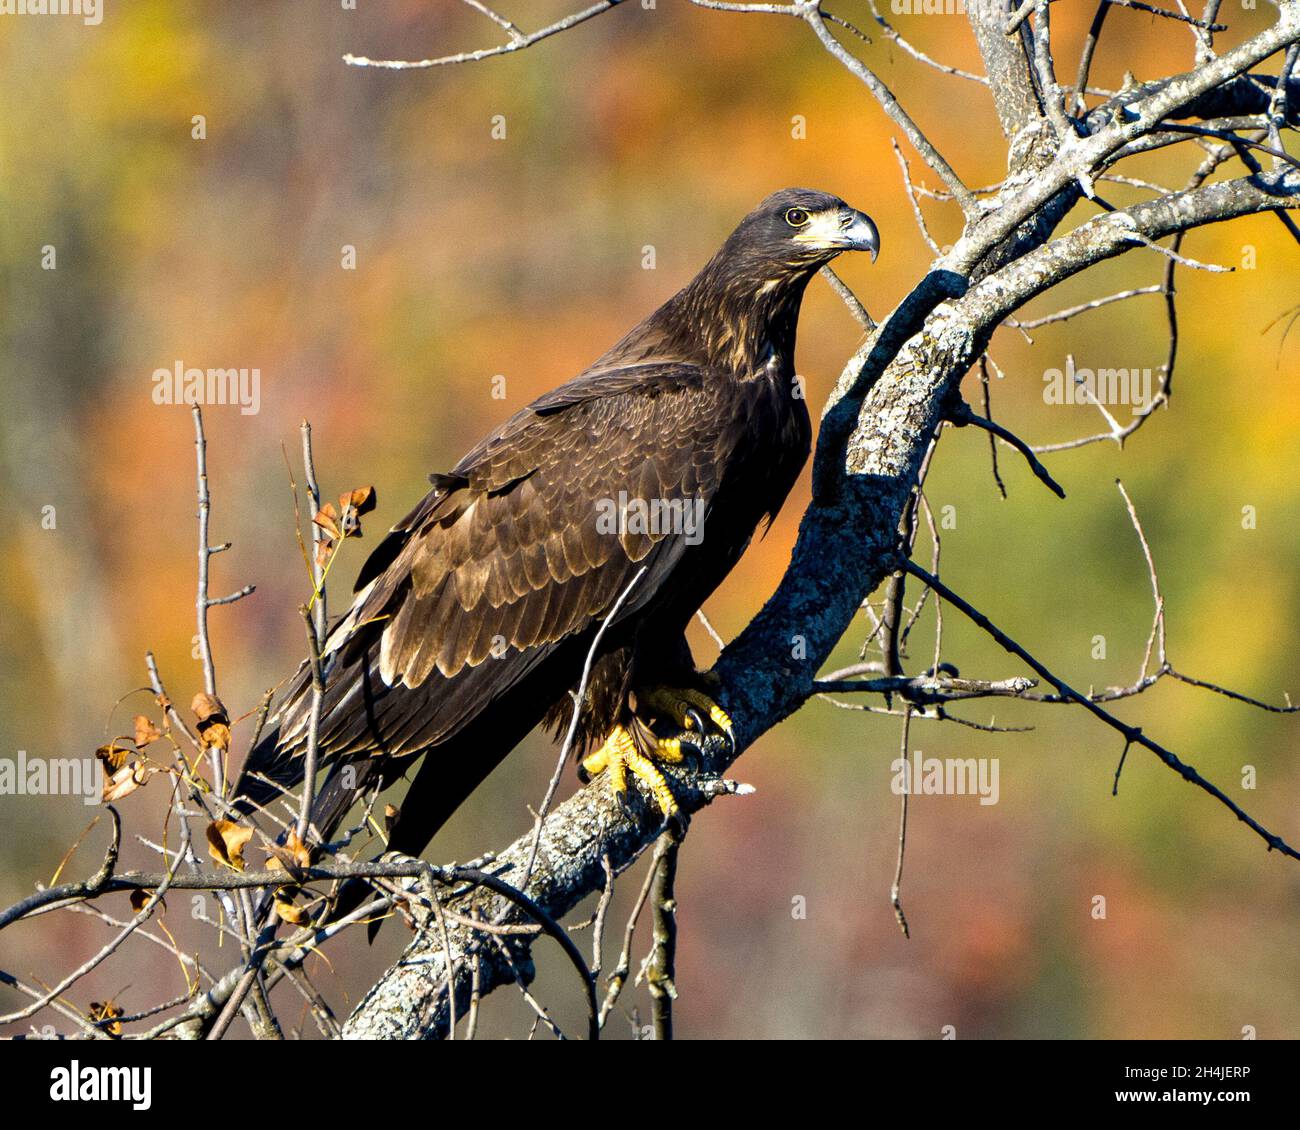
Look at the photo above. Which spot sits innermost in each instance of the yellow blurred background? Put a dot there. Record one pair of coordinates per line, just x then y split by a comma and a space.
522, 256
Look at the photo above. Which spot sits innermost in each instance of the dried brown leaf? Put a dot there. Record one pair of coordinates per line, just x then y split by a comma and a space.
297, 849
226, 841
291, 912
361, 501
216, 735
107, 1011
141, 897
327, 519
126, 778
209, 709
213, 721
112, 757
293, 855
145, 731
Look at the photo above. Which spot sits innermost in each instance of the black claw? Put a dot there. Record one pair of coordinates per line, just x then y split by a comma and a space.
676, 823
692, 748
583, 775
693, 716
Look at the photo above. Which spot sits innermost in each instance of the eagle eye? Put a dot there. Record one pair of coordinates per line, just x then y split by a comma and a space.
797, 217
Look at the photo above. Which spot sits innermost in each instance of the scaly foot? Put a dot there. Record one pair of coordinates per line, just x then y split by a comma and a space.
620, 756
687, 707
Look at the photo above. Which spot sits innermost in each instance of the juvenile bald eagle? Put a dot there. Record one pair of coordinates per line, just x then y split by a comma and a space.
644, 477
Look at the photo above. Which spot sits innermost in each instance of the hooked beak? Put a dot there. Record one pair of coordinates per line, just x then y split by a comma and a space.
843, 230
859, 233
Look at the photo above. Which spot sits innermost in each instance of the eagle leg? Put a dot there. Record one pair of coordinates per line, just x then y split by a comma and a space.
687, 707
620, 755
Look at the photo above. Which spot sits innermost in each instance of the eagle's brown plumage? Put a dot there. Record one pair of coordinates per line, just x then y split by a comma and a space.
472, 619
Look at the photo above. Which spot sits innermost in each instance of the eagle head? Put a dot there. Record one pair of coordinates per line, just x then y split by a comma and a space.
740, 312
802, 229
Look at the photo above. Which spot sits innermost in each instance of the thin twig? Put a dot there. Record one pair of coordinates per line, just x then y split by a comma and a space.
574, 718
961, 414
1131, 734
896, 889
661, 965
518, 42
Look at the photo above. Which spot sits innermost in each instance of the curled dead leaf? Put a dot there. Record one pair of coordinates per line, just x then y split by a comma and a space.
213, 720
293, 855
106, 1013
288, 910
120, 778
140, 899
354, 503
216, 736
209, 709
327, 519
145, 731
226, 841
112, 757
297, 849
361, 501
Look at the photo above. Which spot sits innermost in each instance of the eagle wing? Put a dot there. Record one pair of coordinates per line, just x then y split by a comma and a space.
504, 558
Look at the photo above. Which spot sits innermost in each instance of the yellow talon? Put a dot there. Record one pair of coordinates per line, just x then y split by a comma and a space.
679, 703
635, 748
619, 756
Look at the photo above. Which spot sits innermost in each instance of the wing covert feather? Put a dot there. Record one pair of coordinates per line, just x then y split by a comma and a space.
507, 547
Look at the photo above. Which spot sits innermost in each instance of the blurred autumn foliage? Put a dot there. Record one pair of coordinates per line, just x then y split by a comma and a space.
478, 258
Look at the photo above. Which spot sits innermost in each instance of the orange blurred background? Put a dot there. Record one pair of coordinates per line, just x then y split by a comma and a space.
523, 257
